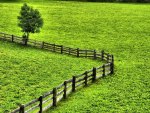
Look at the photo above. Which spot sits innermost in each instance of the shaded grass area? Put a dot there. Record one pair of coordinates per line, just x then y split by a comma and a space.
121, 29
26, 73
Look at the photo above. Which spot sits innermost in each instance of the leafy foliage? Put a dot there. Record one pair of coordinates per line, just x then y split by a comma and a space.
30, 20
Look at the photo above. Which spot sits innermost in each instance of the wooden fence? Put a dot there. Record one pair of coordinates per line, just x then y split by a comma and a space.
60, 92
59, 48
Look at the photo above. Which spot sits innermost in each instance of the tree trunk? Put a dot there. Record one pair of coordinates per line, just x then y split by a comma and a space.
27, 35
26, 39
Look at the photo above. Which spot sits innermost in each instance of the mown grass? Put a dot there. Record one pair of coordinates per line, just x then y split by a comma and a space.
121, 29
27, 73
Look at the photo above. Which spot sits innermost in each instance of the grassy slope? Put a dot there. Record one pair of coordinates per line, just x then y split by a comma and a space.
27, 73
121, 29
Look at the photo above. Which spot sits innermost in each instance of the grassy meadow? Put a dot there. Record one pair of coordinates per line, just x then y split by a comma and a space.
27, 73
120, 29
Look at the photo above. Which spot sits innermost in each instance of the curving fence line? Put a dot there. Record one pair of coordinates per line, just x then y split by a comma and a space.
60, 92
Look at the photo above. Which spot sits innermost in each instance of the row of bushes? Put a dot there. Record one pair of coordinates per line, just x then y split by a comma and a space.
138, 1
133, 1
123, 0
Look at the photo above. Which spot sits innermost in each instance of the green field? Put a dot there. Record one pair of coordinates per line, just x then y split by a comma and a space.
27, 73
120, 29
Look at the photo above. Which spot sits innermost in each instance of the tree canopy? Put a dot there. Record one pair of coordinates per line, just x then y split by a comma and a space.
30, 20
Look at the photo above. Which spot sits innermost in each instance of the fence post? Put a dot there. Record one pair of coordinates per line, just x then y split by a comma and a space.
65, 90
85, 78
4, 36
103, 70
62, 49
73, 84
94, 54
40, 105
77, 52
69, 50
94, 74
107, 58
112, 59
112, 65
54, 48
102, 54
34, 42
12, 39
42, 45
54, 97
86, 53
22, 109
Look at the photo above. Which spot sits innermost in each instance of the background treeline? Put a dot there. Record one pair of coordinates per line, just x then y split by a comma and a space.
135, 1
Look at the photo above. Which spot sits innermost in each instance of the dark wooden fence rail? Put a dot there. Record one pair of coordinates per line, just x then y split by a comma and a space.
60, 92
59, 48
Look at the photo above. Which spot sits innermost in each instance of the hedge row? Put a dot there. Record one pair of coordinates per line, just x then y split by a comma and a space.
133, 1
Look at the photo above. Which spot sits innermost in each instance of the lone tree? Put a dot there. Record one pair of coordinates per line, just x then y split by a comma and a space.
30, 21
